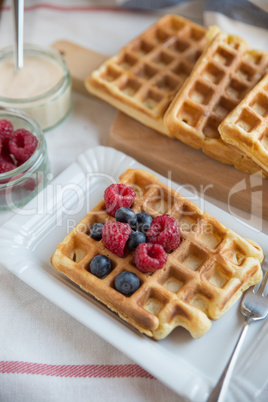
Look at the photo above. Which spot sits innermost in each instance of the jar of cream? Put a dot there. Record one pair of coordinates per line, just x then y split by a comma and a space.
42, 88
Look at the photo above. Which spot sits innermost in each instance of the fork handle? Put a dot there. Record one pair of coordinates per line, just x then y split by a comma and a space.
219, 392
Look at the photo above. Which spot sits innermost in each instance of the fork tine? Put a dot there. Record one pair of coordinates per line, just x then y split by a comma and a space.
263, 283
259, 287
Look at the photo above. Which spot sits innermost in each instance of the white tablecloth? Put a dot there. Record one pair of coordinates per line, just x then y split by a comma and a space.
36, 337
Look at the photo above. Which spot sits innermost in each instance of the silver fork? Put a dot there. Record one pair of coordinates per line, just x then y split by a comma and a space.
254, 307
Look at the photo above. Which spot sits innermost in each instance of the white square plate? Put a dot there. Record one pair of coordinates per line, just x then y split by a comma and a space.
189, 366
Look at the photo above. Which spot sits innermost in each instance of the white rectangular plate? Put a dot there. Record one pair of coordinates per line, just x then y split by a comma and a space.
188, 366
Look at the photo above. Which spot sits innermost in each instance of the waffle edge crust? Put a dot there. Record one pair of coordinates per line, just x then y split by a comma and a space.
199, 282
246, 127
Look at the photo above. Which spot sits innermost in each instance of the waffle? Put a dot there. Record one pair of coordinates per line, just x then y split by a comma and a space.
200, 281
142, 79
225, 72
246, 127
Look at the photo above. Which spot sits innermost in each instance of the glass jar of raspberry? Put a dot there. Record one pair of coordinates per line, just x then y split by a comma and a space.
24, 165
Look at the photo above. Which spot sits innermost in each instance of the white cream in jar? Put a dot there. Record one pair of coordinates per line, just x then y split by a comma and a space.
35, 78
42, 88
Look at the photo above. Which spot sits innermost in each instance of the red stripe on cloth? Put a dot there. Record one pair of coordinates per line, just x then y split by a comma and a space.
69, 8
82, 371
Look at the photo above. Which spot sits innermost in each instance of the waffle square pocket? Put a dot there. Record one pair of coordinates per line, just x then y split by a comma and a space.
199, 281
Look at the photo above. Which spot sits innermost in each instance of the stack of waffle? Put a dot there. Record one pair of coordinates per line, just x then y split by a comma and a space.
185, 81
200, 281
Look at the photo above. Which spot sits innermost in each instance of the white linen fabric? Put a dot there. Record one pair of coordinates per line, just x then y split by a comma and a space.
46, 355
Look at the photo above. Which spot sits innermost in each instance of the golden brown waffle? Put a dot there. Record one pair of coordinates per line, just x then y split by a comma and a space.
222, 76
144, 76
246, 127
200, 281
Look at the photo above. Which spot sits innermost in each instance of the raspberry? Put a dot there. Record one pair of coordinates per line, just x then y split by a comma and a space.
115, 236
22, 144
6, 130
150, 257
6, 166
5, 155
117, 196
164, 230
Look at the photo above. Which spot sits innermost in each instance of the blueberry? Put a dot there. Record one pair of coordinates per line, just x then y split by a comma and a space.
126, 215
100, 266
135, 239
127, 283
95, 231
144, 221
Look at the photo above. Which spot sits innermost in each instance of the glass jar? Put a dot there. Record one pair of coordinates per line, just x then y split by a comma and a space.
42, 88
20, 185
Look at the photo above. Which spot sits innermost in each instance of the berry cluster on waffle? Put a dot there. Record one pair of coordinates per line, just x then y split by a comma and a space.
180, 267
143, 78
246, 127
225, 72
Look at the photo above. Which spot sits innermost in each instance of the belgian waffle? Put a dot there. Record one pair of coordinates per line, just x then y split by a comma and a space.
225, 72
200, 281
246, 127
142, 79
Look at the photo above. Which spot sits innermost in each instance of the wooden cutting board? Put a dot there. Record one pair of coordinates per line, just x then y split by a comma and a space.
169, 157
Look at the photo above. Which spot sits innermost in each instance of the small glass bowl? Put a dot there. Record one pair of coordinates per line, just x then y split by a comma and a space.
20, 185
51, 106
